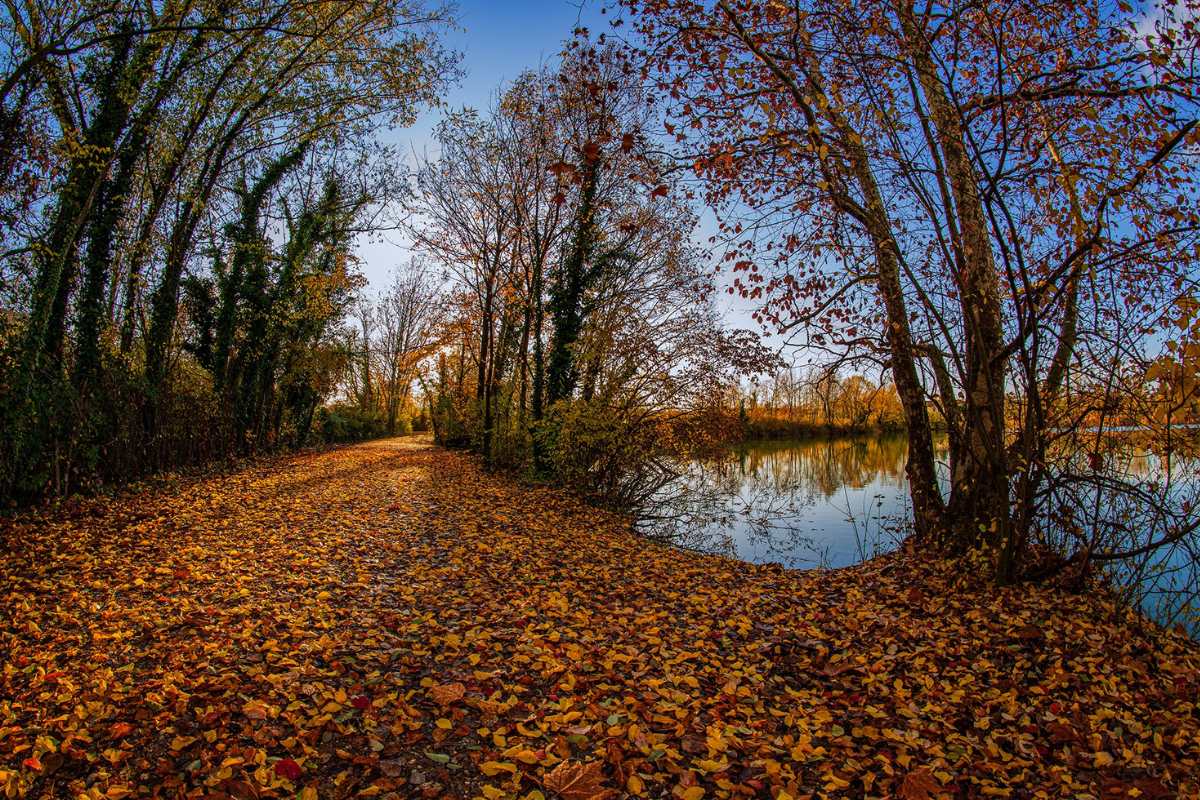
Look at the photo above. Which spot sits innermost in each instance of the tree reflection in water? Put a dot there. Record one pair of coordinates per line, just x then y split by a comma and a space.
824, 502
836, 502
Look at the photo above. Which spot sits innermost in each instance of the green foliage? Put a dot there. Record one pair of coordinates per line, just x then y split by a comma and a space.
600, 452
349, 423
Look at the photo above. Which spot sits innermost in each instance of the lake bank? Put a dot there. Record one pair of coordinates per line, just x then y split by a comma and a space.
386, 618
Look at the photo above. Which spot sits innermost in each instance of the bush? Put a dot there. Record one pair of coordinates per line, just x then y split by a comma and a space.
349, 423
602, 453
453, 426
404, 425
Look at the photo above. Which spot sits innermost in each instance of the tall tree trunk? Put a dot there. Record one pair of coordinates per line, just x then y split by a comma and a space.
979, 504
566, 304
114, 197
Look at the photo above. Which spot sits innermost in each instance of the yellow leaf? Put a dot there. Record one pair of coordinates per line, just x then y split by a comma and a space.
692, 793
526, 756
444, 724
492, 793
180, 742
1101, 759
635, 785
493, 768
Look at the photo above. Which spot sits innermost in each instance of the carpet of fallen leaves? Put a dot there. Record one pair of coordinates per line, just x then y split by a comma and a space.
385, 620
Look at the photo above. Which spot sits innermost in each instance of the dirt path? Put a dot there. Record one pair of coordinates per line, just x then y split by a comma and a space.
384, 620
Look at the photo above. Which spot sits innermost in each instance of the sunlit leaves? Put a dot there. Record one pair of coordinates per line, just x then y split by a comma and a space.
497, 641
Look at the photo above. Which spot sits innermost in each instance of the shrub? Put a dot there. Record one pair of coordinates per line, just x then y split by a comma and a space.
349, 423
602, 453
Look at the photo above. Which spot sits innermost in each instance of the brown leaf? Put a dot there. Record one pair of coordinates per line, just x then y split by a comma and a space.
445, 694
577, 781
920, 785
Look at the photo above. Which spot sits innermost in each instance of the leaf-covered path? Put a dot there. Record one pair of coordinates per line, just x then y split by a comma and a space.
385, 620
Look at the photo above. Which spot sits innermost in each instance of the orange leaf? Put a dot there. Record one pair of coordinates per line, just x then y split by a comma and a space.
577, 781
446, 693
920, 785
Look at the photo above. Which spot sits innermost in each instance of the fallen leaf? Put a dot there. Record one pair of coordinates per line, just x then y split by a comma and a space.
446, 694
575, 781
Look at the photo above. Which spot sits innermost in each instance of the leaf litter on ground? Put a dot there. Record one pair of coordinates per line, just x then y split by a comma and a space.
387, 620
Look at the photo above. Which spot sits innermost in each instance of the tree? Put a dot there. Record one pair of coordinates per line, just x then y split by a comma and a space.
467, 224
973, 192
408, 313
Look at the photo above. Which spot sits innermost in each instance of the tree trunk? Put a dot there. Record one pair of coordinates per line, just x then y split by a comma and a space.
979, 504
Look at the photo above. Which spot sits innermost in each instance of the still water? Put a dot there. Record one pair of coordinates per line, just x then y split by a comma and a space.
803, 504
829, 503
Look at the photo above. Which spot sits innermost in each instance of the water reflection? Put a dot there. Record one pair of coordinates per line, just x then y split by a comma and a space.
828, 502
836, 502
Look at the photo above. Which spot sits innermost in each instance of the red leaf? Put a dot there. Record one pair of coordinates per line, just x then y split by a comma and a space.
659, 191
288, 769
32, 763
361, 702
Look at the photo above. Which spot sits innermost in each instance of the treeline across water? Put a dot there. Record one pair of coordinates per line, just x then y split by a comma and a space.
819, 401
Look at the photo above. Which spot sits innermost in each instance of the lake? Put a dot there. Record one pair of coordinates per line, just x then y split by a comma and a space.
828, 503
808, 503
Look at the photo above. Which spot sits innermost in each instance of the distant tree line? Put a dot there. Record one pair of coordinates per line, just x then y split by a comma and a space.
818, 401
